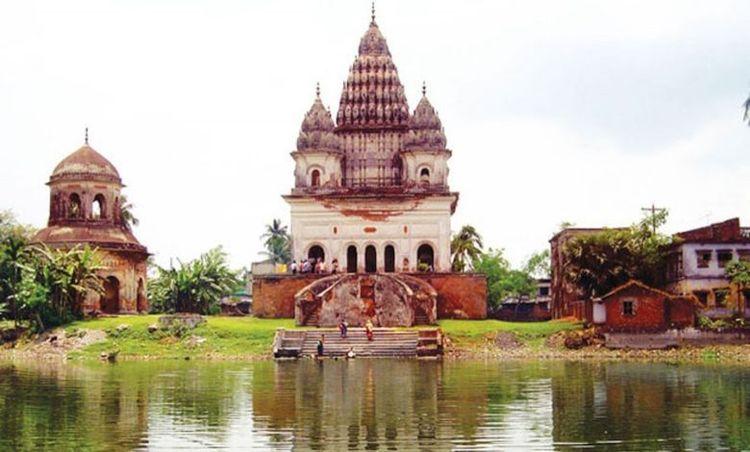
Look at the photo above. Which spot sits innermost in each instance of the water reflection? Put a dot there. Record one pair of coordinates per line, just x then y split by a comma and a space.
373, 405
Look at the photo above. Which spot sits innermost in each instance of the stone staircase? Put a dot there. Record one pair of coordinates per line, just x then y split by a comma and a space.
387, 342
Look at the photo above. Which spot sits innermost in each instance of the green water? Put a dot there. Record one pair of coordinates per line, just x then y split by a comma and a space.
373, 405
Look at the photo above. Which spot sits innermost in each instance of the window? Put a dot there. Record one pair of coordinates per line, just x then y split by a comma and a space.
543, 291
724, 257
704, 258
674, 266
702, 297
390, 259
315, 178
720, 295
628, 308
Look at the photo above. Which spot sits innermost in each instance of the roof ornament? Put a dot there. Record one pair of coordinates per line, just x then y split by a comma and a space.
86, 136
373, 12
424, 88
317, 90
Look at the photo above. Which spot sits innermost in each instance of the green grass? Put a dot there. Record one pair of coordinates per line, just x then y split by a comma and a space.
472, 333
249, 337
226, 338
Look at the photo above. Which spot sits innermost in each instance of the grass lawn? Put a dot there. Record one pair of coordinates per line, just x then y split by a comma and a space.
249, 337
226, 337
470, 333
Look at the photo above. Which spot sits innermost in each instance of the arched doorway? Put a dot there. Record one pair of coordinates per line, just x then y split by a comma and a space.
74, 206
351, 259
110, 299
316, 252
141, 303
315, 178
98, 209
425, 258
390, 259
371, 259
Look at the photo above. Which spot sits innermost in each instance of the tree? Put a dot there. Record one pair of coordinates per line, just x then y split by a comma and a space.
466, 247
502, 280
738, 273
538, 265
599, 262
14, 254
277, 242
126, 213
197, 286
746, 115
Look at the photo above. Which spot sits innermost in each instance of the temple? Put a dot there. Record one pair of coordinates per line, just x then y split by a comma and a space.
85, 209
371, 190
371, 200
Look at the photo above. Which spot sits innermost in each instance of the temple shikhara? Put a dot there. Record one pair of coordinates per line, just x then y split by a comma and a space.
371, 190
371, 200
85, 209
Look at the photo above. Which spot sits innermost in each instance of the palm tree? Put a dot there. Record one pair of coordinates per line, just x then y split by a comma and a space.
466, 246
126, 213
277, 242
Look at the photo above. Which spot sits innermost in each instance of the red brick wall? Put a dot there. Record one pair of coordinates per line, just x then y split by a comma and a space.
460, 295
273, 295
649, 310
682, 312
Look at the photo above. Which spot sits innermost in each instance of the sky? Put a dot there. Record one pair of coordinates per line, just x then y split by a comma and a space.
577, 111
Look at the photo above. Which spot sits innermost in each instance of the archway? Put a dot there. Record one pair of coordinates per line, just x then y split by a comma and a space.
141, 303
371, 259
98, 207
390, 259
424, 176
425, 258
315, 178
74, 207
351, 259
316, 252
110, 299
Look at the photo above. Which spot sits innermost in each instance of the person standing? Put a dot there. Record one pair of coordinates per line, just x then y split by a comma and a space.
320, 345
294, 267
369, 330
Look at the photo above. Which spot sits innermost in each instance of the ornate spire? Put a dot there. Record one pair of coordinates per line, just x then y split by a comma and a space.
372, 20
425, 129
86, 137
373, 95
316, 133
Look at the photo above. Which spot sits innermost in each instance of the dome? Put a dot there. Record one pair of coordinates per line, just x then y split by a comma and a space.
316, 132
372, 95
425, 129
85, 164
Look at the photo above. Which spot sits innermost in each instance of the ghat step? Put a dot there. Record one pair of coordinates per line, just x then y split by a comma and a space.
386, 343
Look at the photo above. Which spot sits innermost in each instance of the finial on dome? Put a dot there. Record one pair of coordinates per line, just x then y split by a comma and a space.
317, 90
424, 88
86, 137
373, 12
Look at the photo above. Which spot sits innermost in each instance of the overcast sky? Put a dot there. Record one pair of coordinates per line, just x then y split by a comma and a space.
559, 110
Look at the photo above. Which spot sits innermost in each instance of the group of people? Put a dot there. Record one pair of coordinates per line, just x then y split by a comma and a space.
314, 265
343, 331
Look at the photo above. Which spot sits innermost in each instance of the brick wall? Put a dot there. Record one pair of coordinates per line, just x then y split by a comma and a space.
460, 295
273, 295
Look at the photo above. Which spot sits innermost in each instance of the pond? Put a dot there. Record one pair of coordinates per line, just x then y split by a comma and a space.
373, 405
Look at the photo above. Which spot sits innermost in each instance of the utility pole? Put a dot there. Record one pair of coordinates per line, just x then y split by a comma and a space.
652, 210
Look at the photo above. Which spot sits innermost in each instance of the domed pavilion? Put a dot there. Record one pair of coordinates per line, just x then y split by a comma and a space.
85, 209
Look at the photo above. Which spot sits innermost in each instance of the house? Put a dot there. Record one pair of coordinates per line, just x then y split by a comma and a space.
527, 309
696, 266
636, 307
